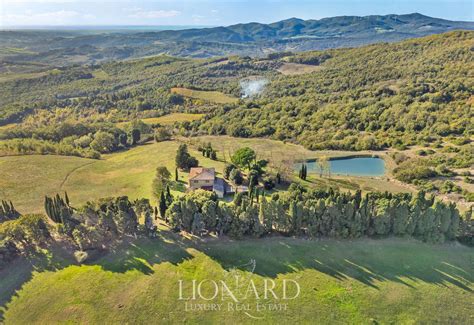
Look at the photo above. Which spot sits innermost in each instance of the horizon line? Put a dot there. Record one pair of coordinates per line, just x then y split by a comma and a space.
211, 26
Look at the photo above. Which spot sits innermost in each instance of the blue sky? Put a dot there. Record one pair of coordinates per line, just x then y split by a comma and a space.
213, 12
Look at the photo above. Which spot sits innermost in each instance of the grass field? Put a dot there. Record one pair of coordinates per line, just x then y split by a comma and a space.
209, 96
14, 50
168, 119
342, 282
27, 179
174, 117
290, 69
27, 75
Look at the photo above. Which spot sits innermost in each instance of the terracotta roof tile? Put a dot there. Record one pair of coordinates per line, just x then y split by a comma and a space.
201, 173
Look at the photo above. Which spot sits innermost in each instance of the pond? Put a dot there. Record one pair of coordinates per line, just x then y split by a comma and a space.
351, 166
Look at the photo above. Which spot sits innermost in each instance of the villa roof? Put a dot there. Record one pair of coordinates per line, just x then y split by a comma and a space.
201, 173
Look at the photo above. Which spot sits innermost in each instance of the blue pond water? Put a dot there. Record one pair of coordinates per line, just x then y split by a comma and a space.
360, 166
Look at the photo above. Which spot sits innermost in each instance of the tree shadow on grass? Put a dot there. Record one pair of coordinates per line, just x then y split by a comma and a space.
132, 254
21, 270
367, 261
140, 254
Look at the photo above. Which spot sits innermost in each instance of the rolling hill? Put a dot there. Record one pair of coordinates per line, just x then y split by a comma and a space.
416, 91
255, 39
343, 27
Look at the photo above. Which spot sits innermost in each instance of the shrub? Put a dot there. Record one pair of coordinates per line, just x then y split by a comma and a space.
450, 187
411, 170
103, 142
268, 183
28, 231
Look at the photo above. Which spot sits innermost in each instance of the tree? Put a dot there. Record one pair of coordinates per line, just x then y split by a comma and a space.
124, 216
243, 157
227, 170
303, 172
58, 209
184, 160
238, 197
103, 142
213, 155
268, 183
135, 136
123, 139
140, 126
192, 162
169, 197
176, 175
28, 231
324, 166
162, 134
265, 215
163, 206
161, 181
182, 156
236, 177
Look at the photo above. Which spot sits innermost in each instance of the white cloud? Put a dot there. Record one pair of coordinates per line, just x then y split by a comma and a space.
152, 14
61, 17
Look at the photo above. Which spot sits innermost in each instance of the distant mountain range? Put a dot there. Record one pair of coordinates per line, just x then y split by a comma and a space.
255, 39
390, 26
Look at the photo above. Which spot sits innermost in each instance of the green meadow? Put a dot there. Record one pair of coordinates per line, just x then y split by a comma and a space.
167, 119
357, 282
209, 96
291, 69
126, 173
27, 179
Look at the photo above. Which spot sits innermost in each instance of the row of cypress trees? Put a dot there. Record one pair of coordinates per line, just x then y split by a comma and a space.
324, 214
303, 173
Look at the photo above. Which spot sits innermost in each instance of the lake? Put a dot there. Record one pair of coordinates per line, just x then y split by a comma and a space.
357, 166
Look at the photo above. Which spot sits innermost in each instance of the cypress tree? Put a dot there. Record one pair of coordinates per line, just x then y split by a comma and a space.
162, 205
169, 197
66, 198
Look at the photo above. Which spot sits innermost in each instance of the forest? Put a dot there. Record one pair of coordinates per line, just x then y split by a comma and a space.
364, 98
360, 99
